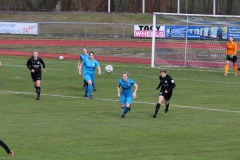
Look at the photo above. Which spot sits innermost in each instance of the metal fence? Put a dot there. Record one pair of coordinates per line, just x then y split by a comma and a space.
84, 29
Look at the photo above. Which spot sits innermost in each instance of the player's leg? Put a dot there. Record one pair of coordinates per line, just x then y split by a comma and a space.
235, 65
38, 84
89, 85
123, 104
35, 84
86, 90
89, 88
167, 98
89, 82
160, 99
38, 89
93, 83
226, 66
10, 153
84, 82
127, 105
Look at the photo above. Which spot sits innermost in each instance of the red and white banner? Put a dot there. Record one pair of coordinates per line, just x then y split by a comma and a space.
19, 28
144, 31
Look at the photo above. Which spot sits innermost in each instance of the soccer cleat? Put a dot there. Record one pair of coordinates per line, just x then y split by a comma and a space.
94, 89
90, 97
85, 95
123, 116
225, 74
38, 96
235, 75
154, 116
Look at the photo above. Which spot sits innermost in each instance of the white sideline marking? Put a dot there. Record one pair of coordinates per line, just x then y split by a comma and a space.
62, 96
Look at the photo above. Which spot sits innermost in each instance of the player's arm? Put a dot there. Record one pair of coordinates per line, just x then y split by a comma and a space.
43, 64
226, 49
29, 66
135, 90
235, 49
173, 85
118, 90
159, 85
79, 63
80, 69
99, 70
10, 153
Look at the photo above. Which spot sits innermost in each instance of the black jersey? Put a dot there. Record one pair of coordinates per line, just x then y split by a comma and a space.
166, 83
35, 64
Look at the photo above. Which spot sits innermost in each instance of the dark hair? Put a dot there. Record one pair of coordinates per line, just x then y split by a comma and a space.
163, 70
125, 72
91, 52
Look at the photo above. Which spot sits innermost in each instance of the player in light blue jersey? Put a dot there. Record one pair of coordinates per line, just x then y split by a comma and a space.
84, 56
127, 94
89, 66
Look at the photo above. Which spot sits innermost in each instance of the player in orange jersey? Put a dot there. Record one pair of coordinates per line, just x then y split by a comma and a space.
231, 55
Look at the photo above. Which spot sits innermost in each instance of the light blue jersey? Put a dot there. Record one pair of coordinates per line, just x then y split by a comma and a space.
84, 57
89, 66
126, 86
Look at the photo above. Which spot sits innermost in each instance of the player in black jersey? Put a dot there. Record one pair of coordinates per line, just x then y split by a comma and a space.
34, 65
167, 84
10, 153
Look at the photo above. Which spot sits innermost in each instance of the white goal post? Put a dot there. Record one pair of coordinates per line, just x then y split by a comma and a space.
191, 40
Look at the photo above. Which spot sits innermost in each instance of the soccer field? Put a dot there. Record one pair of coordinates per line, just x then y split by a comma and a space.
202, 123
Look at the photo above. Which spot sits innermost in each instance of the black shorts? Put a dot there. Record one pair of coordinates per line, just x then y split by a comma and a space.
36, 76
234, 59
167, 96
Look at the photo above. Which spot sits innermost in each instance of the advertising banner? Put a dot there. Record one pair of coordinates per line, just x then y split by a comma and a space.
18, 28
145, 31
193, 32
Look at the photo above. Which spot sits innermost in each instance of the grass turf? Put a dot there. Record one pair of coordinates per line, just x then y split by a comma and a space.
202, 122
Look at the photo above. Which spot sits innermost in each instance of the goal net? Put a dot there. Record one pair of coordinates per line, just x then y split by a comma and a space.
192, 40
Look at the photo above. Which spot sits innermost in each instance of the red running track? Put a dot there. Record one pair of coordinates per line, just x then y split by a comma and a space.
76, 57
107, 44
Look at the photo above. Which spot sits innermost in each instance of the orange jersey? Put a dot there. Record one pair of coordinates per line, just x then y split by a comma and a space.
231, 48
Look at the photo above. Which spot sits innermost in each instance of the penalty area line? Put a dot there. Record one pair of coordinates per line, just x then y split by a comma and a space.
102, 99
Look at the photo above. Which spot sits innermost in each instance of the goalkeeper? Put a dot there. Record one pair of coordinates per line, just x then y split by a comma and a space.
231, 55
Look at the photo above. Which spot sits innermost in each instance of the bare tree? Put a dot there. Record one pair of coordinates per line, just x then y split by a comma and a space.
66, 4
29, 4
229, 7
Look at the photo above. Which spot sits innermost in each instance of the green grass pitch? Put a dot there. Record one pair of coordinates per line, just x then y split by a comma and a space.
202, 123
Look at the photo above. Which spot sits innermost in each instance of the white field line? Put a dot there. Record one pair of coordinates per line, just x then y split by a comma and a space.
112, 100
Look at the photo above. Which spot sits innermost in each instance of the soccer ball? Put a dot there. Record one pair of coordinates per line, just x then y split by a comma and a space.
61, 57
109, 69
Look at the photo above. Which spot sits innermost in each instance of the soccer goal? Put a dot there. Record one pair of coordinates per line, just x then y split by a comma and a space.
192, 40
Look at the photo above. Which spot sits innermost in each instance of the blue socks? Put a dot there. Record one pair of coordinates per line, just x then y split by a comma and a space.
125, 110
89, 88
